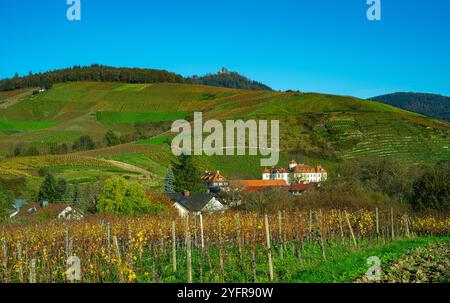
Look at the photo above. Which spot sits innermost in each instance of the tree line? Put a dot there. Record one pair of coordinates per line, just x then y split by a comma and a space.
102, 73
83, 143
366, 183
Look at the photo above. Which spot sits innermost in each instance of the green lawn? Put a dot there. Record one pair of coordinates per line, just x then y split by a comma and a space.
154, 141
17, 126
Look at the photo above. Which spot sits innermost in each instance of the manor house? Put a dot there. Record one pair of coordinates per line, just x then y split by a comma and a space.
300, 173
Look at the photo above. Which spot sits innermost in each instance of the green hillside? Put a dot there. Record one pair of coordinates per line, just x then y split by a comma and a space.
315, 128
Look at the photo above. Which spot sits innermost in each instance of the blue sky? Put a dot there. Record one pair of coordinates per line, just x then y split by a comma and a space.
311, 45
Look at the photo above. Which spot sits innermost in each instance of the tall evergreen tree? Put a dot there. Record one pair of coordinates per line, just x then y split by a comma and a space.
169, 181
48, 189
61, 190
6, 202
76, 195
187, 175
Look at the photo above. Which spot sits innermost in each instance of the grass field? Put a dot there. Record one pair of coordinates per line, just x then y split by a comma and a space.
17, 126
154, 141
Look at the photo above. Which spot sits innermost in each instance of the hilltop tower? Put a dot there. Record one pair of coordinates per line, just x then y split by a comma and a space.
224, 70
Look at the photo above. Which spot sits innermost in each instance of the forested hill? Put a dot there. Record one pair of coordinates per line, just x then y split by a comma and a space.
228, 79
432, 105
101, 73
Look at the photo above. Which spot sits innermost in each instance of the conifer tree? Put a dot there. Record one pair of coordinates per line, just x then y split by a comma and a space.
169, 181
187, 175
48, 189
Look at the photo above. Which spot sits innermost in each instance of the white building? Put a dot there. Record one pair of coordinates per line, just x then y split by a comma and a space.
195, 203
296, 173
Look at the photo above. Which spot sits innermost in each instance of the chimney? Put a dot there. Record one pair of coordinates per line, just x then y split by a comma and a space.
187, 193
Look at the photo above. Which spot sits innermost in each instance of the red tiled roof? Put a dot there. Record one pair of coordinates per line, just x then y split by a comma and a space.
260, 183
213, 177
302, 186
54, 208
254, 185
299, 168
276, 171
24, 211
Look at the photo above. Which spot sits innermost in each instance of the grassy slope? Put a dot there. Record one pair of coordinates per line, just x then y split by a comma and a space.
344, 263
348, 267
312, 125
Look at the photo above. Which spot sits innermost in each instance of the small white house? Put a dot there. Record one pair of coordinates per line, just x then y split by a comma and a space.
195, 203
58, 211
70, 213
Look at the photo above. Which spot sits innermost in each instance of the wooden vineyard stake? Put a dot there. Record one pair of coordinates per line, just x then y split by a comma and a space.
351, 229
407, 226
119, 258
269, 253
253, 249
109, 241
70, 246
280, 233
67, 242
174, 248
310, 225
377, 218
129, 238
253, 253
19, 259
319, 233
238, 235
284, 231
222, 273
195, 232
202, 236
188, 256
5, 261
33, 271
413, 234
341, 226
392, 224
129, 255
154, 263
297, 247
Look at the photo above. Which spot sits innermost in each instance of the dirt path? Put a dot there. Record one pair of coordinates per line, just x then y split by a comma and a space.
131, 167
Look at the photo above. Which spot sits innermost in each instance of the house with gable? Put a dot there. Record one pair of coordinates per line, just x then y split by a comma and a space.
214, 182
195, 203
54, 211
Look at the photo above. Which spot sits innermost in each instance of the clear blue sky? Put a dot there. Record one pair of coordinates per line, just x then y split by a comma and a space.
312, 45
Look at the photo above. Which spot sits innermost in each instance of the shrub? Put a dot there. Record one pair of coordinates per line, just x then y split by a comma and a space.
120, 197
432, 190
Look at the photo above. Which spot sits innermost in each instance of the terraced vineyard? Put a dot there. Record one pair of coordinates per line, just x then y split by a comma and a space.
406, 140
26, 166
321, 129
